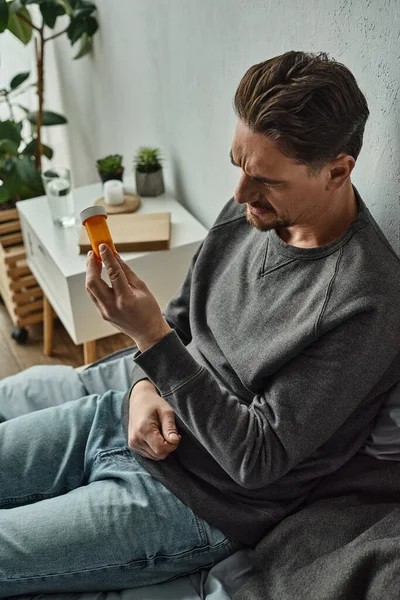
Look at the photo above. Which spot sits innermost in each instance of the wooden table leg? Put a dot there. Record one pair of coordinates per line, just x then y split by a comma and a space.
89, 352
48, 326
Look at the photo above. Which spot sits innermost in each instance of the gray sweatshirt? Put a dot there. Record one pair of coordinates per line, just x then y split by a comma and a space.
278, 363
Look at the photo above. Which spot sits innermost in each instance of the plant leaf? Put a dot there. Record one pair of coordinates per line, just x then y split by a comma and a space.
19, 79
3, 15
50, 11
29, 175
84, 8
26, 168
91, 26
49, 118
8, 147
76, 29
31, 148
18, 27
15, 6
12, 183
4, 194
10, 131
66, 6
47, 151
8, 166
84, 5
86, 46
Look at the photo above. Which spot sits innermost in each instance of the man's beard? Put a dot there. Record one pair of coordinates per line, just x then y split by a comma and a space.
258, 223
275, 223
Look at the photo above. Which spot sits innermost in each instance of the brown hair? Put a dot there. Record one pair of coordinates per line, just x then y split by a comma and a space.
308, 104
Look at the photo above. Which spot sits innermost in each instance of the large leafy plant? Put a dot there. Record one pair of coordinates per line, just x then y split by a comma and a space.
21, 154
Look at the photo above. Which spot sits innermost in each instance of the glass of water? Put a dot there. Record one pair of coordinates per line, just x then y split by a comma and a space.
57, 185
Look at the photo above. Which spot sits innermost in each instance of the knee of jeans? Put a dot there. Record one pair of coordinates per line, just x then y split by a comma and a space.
39, 387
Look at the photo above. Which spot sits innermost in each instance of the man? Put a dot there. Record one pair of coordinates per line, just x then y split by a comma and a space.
263, 375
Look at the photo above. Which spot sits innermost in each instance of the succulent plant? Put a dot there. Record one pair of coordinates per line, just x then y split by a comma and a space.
110, 164
148, 160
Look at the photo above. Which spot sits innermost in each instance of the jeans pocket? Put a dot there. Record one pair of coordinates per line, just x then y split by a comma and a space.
161, 524
162, 528
220, 545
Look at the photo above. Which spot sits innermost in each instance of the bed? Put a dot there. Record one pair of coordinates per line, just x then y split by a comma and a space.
344, 543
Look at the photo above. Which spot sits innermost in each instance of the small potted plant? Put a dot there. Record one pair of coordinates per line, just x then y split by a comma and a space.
110, 167
148, 171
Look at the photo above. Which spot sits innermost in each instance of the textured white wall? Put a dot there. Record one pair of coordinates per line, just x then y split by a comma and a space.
164, 73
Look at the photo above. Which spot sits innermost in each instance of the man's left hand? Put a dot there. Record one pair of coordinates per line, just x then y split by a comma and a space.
128, 304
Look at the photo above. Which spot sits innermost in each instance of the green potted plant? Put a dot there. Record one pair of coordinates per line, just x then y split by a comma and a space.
21, 154
148, 172
110, 167
20, 179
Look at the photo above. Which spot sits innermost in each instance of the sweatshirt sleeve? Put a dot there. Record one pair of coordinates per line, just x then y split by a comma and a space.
176, 314
301, 406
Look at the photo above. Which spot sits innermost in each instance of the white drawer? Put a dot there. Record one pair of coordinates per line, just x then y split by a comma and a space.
46, 272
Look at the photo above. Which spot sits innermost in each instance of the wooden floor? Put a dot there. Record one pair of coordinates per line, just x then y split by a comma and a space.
17, 357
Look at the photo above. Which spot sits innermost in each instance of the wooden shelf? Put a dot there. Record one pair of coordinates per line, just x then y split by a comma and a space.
21, 294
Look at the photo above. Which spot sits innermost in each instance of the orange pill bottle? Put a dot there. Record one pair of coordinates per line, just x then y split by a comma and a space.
94, 218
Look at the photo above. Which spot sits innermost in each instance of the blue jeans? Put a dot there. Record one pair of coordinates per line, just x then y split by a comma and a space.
79, 513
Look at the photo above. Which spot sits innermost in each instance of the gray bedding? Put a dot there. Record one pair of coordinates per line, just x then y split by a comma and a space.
343, 545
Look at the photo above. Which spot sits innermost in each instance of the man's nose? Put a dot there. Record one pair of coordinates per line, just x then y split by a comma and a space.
243, 190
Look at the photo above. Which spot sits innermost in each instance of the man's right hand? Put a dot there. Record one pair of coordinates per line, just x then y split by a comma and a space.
151, 431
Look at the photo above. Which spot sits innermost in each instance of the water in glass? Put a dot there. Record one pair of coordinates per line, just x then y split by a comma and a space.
57, 183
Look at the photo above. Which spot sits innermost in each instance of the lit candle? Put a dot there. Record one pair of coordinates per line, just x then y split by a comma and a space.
113, 192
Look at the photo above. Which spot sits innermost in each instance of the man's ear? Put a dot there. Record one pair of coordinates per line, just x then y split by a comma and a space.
339, 171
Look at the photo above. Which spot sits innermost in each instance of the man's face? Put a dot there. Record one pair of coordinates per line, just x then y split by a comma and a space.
278, 191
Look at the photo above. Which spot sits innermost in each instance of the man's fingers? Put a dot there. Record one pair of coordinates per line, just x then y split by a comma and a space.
130, 275
168, 427
95, 285
138, 443
156, 441
146, 452
95, 301
93, 265
144, 449
115, 272
158, 445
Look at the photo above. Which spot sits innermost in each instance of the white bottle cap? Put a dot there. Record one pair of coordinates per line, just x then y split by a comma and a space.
92, 211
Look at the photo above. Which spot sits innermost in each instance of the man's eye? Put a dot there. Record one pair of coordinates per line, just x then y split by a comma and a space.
264, 183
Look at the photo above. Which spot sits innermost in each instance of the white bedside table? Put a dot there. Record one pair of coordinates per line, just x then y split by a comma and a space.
52, 254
